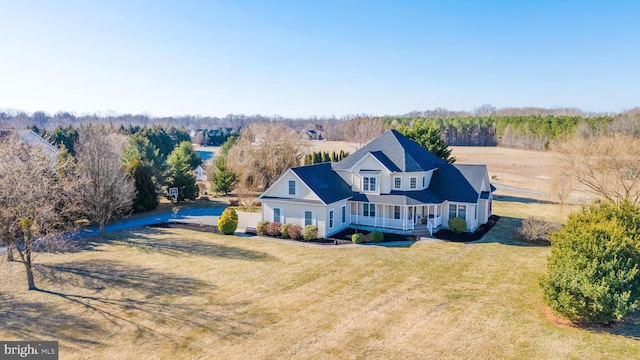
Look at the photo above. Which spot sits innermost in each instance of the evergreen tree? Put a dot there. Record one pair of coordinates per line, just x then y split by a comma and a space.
139, 147
185, 148
181, 175
66, 137
223, 179
146, 197
593, 272
429, 137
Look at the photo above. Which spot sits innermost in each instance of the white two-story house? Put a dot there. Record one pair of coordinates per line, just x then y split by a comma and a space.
391, 184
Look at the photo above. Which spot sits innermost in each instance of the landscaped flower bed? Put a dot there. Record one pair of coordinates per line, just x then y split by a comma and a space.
446, 234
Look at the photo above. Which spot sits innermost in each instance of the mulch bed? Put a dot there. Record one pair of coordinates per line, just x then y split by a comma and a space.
345, 235
446, 234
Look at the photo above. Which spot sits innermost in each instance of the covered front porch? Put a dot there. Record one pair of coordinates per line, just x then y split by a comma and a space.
402, 219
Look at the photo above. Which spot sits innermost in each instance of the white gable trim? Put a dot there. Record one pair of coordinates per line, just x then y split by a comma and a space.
280, 179
364, 157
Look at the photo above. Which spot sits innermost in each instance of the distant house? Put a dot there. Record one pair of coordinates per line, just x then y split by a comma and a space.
312, 134
31, 138
200, 173
391, 184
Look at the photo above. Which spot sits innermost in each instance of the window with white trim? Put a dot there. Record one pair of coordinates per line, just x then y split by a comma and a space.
457, 211
413, 183
292, 187
462, 212
397, 182
330, 218
453, 211
369, 210
344, 214
424, 182
308, 218
277, 215
396, 212
369, 183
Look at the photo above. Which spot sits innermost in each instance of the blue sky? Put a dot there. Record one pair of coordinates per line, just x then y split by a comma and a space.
324, 58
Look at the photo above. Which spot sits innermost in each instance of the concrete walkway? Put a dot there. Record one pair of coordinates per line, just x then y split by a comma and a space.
207, 216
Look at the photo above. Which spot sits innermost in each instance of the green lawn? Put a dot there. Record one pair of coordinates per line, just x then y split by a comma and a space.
168, 293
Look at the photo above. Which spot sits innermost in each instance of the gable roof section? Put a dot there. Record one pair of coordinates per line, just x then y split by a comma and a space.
324, 182
460, 183
411, 198
396, 152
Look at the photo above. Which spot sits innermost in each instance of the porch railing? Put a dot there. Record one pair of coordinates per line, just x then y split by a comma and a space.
383, 222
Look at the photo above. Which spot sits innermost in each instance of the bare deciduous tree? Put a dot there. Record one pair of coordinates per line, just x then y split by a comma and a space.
108, 190
38, 202
608, 165
263, 152
361, 130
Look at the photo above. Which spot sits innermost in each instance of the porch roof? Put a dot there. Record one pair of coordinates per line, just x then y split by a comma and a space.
410, 198
291, 200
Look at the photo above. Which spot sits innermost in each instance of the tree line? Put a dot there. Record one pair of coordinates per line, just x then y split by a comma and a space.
530, 128
318, 157
532, 132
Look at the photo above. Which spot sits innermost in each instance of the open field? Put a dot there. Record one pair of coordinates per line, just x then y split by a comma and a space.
155, 293
525, 169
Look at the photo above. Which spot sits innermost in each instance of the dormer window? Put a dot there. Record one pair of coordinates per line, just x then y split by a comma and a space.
424, 182
413, 183
369, 183
292, 187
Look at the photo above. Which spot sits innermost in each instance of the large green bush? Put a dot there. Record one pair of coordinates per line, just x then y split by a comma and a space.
593, 272
228, 221
310, 232
261, 228
357, 238
457, 225
376, 236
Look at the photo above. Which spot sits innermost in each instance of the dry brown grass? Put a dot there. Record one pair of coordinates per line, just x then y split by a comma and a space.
168, 293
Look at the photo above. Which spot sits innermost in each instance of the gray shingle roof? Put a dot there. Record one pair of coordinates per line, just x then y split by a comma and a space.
459, 183
323, 181
401, 198
396, 152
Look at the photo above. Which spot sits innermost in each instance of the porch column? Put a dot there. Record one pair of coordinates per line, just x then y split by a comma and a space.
404, 217
384, 215
375, 218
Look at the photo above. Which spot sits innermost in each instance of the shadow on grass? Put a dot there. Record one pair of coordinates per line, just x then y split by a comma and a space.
630, 327
101, 274
504, 232
145, 239
150, 302
520, 199
29, 320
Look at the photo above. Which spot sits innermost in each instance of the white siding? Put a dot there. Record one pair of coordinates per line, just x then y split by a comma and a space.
281, 188
294, 213
472, 222
483, 208
406, 180
337, 218
371, 163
